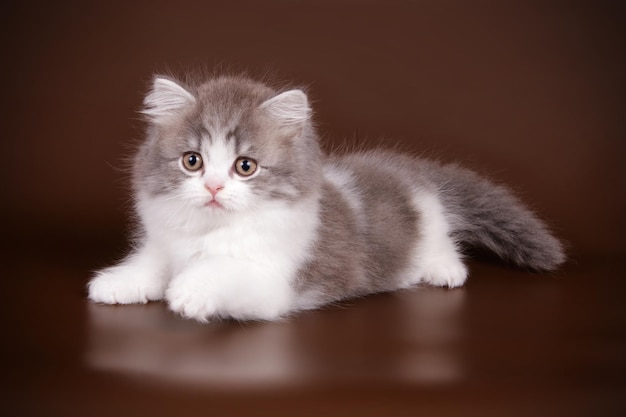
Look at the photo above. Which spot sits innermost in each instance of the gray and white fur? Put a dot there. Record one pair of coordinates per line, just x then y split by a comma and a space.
242, 215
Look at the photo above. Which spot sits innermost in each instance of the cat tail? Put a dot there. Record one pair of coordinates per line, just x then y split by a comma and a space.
483, 214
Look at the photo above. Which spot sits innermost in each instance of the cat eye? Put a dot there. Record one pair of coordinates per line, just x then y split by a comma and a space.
192, 161
245, 166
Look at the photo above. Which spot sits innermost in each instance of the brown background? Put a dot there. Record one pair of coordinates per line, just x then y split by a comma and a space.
530, 92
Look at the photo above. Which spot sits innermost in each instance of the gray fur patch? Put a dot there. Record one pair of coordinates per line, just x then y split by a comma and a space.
361, 251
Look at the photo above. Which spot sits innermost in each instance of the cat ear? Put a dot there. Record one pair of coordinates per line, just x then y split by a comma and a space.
166, 99
290, 108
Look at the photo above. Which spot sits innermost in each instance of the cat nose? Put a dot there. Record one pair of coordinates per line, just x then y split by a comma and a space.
214, 189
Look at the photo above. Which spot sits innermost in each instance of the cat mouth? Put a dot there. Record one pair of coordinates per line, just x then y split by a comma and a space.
214, 204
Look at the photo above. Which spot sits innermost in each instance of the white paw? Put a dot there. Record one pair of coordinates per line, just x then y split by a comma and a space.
227, 288
125, 284
447, 272
190, 296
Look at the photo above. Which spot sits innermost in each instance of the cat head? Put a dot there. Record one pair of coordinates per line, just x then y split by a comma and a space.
225, 146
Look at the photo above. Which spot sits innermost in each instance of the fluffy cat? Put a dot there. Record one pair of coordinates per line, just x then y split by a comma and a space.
243, 216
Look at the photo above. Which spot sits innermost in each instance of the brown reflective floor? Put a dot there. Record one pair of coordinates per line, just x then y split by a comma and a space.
509, 343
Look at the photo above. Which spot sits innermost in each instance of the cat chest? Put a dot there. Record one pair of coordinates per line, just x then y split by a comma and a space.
185, 250
287, 244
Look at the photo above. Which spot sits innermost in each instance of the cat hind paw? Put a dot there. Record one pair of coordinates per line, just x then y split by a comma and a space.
449, 274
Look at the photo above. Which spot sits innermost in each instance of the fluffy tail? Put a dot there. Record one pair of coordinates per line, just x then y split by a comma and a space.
487, 215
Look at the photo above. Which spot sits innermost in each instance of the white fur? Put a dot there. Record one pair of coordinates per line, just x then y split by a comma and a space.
166, 99
436, 259
290, 107
243, 268
238, 261
142, 277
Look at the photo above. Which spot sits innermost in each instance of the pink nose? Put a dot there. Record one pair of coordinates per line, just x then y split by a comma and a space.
214, 189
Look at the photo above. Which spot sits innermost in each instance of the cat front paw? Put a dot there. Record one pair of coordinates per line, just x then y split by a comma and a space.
124, 285
191, 299
226, 288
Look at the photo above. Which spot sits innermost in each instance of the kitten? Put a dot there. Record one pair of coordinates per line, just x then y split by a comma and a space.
243, 216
